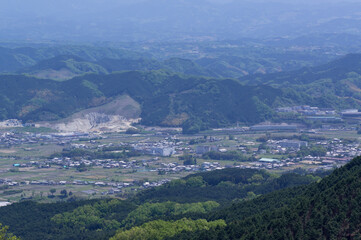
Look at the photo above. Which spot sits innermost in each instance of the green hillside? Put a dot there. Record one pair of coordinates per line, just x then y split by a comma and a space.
330, 209
223, 186
334, 71
225, 59
63, 67
195, 103
336, 84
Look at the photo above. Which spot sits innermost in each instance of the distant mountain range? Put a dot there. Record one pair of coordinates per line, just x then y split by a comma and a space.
170, 99
231, 60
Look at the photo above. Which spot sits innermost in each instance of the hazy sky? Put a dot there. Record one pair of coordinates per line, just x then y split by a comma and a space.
127, 20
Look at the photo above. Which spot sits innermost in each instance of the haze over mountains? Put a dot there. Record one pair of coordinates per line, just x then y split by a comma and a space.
147, 20
94, 93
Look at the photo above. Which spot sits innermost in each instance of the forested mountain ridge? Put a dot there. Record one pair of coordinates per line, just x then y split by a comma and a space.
336, 84
63, 67
335, 70
225, 59
330, 209
167, 99
192, 102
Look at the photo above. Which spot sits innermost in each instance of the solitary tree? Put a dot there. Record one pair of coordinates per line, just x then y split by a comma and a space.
52, 191
64, 193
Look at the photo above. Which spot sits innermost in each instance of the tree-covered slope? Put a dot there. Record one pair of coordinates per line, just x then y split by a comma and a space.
167, 99
223, 186
12, 60
63, 67
336, 84
330, 209
224, 59
335, 71
32, 220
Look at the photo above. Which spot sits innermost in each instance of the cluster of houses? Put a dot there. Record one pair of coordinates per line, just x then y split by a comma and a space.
316, 162
141, 165
284, 146
206, 148
323, 115
67, 162
177, 168
336, 148
307, 110
118, 189
338, 153
115, 186
13, 138
339, 149
11, 123
165, 148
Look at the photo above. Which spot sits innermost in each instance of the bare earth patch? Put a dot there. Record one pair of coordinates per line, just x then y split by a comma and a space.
115, 116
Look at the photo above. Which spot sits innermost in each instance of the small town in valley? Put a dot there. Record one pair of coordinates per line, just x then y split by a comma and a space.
37, 162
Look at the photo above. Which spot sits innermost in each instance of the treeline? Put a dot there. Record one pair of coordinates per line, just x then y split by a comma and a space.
222, 186
117, 153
